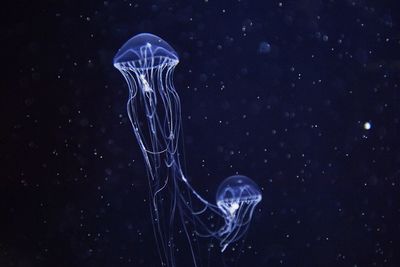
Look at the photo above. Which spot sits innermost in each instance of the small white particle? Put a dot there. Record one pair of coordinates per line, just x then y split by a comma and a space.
367, 126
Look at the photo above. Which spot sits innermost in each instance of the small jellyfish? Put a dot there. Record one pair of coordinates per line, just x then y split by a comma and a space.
237, 196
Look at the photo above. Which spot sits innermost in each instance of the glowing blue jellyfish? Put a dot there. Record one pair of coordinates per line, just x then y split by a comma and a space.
147, 63
237, 197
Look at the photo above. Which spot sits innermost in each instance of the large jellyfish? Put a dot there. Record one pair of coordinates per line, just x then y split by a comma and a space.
147, 63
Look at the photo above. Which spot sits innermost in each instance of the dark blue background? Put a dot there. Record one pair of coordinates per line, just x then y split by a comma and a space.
73, 188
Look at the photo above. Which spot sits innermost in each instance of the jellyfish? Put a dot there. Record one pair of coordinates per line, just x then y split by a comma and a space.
147, 63
236, 198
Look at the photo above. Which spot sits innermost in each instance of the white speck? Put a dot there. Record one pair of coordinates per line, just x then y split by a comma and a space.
367, 125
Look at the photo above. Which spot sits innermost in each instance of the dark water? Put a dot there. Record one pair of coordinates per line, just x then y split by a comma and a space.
301, 96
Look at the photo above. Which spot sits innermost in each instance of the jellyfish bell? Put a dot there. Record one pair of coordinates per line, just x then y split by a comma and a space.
144, 51
234, 190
